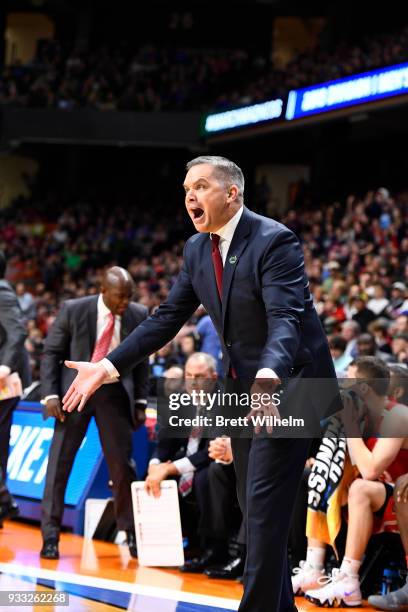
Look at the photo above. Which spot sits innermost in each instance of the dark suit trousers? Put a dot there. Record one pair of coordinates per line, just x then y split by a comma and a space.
268, 476
6, 416
110, 407
225, 515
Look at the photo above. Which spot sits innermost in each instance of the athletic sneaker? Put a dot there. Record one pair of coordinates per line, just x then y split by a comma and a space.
339, 590
396, 601
305, 577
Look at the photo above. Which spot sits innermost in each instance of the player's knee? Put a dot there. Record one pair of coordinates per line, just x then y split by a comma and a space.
359, 492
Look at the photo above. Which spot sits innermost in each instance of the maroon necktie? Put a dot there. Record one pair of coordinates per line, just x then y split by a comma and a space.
219, 269
217, 262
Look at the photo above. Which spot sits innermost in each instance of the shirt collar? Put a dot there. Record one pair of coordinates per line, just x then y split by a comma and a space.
226, 232
103, 310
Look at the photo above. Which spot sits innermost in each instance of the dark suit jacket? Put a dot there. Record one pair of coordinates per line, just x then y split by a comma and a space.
73, 335
266, 317
13, 334
175, 448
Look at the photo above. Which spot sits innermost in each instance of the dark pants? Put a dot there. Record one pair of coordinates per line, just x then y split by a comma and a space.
206, 520
110, 407
225, 514
195, 511
268, 474
6, 416
5, 496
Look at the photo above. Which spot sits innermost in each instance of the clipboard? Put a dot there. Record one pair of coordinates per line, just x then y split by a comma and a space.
158, 525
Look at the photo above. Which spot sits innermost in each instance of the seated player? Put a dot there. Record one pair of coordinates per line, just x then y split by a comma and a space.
368, 496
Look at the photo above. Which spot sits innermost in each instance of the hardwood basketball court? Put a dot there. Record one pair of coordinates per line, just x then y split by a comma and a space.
103, 576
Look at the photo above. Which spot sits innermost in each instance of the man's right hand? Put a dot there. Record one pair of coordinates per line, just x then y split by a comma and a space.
53, 408
89, 378
155, 476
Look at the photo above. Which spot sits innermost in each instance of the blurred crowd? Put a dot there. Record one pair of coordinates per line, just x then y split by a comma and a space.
355, 257
154, 78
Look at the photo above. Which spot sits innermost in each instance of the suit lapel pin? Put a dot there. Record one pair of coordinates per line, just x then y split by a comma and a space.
233, 259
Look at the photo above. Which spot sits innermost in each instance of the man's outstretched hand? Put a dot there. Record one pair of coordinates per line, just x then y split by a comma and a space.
89, 378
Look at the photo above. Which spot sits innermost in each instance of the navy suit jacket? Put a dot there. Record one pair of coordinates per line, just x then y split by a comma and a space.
266, 317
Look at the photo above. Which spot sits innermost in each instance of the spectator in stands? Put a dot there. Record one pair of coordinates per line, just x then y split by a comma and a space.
363, 315
163, 360
398, 389
399, 347
350, 331
337, 345
379, 302
368, 496
398, 291
26, 301
34, 345
379, 329
366, 346
188, 345
196, 79
400, 324
397, 601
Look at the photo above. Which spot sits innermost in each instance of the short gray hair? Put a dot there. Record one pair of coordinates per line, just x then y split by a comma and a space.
227, 171
209, 360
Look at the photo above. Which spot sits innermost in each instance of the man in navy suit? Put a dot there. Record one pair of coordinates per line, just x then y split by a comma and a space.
248, 272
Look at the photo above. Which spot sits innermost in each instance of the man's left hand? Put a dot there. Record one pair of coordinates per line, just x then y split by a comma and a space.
262, 402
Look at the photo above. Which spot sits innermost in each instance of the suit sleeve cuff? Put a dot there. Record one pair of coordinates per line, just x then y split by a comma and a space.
5, 370
110, 368
184, 465
154, 461
266, 373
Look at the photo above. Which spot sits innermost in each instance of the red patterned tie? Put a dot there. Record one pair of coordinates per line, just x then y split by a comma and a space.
102, 345
217, 262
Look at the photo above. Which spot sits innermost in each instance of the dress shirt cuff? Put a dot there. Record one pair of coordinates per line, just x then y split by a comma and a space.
48, 397
184, 465
110, 368
5, 371
154, 461
266, 373
140, 401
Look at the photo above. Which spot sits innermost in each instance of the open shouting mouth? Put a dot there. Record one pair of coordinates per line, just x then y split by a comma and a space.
196, 213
